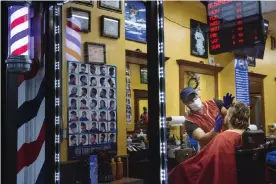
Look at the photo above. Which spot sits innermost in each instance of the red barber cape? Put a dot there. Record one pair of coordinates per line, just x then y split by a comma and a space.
214, 164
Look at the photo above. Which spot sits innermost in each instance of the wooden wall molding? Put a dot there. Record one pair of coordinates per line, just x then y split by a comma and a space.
136, 57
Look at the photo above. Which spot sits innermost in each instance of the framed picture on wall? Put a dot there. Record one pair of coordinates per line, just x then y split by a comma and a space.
85, 3
95, 53
110, 27
143, 74
80, 19
114, 5
198, 36
135, 21
251, 61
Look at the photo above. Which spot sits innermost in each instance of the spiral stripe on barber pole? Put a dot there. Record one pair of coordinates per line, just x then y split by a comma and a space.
73, 40
19, 30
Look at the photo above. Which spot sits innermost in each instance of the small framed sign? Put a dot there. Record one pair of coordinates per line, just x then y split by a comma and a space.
95, 53
143, 74
115, 5
85, 3
251, 61
110, 27
80, 19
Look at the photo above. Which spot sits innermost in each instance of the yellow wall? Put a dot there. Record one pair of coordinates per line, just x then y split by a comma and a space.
115, 55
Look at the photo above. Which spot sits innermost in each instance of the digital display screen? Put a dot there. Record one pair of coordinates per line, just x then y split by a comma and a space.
234, 25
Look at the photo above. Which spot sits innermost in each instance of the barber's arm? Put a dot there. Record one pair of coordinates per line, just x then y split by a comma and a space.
197, 133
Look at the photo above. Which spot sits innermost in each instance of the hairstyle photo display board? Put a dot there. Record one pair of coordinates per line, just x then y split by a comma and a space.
92, 109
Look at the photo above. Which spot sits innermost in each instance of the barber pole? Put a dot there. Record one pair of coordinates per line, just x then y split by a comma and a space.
19, 39
73, 40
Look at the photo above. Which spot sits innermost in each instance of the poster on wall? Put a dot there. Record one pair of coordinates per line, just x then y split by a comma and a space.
199, 44
92, 109
241, 80
135, 21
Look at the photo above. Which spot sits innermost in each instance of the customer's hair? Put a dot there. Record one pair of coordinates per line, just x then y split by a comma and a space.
239, 114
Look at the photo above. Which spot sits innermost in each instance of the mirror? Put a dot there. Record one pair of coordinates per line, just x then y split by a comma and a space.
140, 108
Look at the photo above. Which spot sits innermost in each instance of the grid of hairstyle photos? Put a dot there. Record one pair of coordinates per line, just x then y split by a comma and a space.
92, 104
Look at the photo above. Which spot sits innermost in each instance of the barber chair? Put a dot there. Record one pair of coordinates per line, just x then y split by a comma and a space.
251, 158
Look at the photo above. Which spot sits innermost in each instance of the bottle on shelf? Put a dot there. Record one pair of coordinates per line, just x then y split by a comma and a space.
119, 169
113, 168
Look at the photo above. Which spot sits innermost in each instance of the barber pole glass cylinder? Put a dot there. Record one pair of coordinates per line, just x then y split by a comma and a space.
19, 39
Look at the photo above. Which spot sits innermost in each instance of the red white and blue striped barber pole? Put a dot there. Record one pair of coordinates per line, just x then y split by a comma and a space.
19, 39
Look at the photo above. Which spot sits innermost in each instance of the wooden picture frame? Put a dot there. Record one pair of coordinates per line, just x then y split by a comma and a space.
109, 32
198, 48
84, 23
90, 53
85, 3
111, 7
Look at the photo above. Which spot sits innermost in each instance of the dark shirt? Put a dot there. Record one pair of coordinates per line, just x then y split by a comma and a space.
190, 127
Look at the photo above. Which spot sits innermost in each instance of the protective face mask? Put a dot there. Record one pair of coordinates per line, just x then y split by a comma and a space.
196, 105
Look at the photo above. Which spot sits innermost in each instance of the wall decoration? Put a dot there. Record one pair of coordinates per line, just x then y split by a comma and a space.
92, 109
82, 16
135, 21
194, 81
95, 53
85, 3
73, 40
143, 74
128, 95
241, 80
115, 5
110, 27
199, 44
251, 61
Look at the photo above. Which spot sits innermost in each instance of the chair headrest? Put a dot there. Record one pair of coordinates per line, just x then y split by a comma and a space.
253, 138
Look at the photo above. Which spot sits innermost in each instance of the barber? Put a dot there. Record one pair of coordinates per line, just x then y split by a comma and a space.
205, 119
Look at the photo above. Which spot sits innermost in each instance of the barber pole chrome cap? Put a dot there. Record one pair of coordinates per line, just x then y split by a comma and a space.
19, 47
18, 64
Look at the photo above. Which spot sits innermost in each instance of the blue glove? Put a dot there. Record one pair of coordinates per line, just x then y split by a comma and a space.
218, 123
228, 100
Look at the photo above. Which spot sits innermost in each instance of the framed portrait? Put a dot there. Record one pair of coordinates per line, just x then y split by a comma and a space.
110, 27
198, 36
115, 5
143, 74
95, 53
85, 3
251, 61
80, 19
135, 21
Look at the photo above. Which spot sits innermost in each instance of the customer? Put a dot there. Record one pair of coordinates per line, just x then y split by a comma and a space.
216, 162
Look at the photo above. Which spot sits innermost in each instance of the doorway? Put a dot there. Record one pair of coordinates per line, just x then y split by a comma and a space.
256, 90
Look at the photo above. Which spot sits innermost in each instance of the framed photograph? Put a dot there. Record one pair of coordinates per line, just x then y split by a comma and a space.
143, 74
85, 3
115, 5
95, 54
198, 36
135, 21
251, 61
110, 27
80, 19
